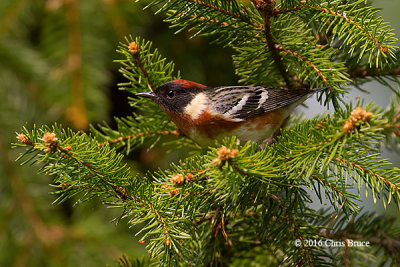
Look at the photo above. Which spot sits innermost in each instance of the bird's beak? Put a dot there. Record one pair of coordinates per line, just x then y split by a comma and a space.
149, 94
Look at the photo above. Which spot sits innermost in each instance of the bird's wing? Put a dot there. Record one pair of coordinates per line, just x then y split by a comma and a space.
242, 102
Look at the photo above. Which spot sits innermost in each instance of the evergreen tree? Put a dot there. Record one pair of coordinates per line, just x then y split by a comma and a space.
236, 203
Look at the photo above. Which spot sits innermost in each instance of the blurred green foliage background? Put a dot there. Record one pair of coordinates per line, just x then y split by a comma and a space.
56, 65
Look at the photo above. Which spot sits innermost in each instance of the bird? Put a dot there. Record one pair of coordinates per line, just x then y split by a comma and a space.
207, 114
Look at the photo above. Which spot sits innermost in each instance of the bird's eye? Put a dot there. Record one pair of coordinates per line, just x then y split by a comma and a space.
171, 94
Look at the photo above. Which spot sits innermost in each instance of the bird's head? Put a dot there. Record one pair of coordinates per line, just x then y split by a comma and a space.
174, 95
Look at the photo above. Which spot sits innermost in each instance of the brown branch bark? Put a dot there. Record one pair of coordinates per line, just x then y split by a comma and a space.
365, 170
132, 136
287, 216
197, 2
120, 191
391, 245
308, 62
267, 9
138, 62
373, 72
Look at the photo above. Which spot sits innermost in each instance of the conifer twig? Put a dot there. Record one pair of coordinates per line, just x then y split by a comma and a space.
372, 72
345, 256
141, 134
285, 51
266, 8
299, 236
308, 62
120, 191
208, 20
365, 170
223, 11
133, 47
392, 245
333, 188
124, 196
384, 49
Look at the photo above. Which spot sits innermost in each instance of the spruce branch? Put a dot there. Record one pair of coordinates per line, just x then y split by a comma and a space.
306, 66
378, 230
124, 261
342, 16
133, 136
95, 167
133, 47
143, 66
344, 24
80, 166
197, 17
235, 198
307, 258
266, 8
134, 131
343, 197
334, 77
308, 62
229, 21
307, 159
232, 14
392, 128
392, 184
372, 72
361, 72
225, 178
390, 244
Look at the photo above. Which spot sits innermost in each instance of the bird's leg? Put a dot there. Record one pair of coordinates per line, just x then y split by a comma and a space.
270, 140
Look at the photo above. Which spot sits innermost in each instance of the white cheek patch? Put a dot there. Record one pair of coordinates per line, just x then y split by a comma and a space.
197, 106
239, 106
264, 97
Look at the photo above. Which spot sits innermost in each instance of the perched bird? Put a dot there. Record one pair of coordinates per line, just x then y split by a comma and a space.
206, 114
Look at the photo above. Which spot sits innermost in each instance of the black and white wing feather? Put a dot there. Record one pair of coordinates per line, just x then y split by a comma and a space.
242, 102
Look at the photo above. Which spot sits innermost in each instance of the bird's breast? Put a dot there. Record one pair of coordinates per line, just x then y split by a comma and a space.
208, 127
